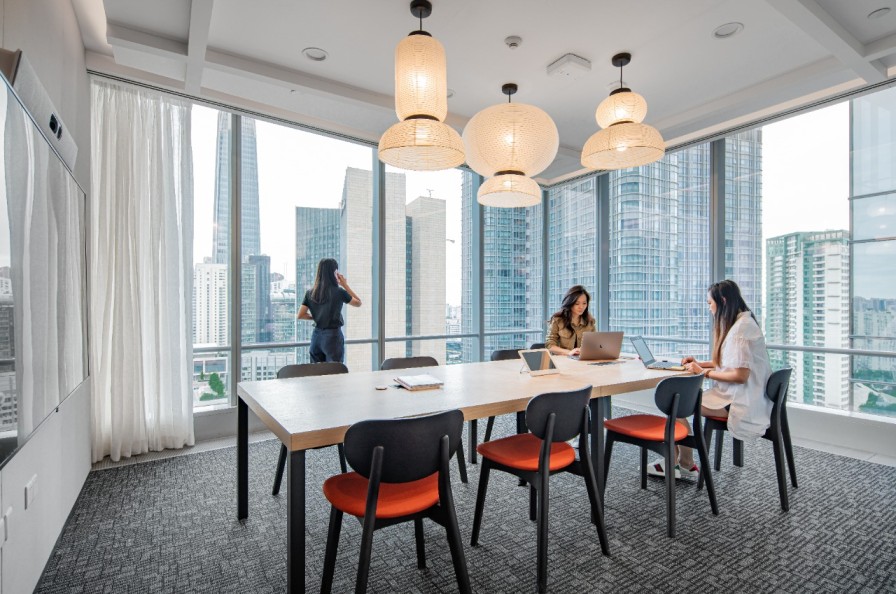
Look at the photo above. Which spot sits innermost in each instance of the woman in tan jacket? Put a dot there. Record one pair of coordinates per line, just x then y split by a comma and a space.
569, 322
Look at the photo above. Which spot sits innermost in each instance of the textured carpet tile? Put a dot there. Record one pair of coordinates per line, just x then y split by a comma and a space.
170, 526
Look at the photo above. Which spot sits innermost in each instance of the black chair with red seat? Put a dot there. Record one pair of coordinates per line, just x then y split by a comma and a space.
400, 475
778, 433
306, 370
553, 419
537, 345
427, 361
677, 397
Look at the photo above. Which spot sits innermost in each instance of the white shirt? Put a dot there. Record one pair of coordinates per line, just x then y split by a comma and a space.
750, 412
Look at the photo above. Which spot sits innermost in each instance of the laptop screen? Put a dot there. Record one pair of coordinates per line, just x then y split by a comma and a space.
538, 360
641, 346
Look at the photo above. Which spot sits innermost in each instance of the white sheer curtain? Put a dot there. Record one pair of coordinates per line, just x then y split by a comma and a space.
141, 254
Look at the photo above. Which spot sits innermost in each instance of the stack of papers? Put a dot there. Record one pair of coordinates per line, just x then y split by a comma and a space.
419, 382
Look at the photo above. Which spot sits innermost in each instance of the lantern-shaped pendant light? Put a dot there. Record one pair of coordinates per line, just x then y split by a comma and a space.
509, 143
624, 140
420, 140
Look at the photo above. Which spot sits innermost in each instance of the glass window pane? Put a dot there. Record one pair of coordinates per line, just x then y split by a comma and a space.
873, 143
572, 241
452, 348
874, 217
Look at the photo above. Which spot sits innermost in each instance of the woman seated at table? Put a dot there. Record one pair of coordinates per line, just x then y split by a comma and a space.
569, 322
740, 369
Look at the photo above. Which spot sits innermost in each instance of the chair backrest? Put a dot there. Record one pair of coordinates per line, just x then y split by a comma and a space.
505, 355
537, 345
689, 389
411, 447
568, 408
777, 384
311, 369
408, 362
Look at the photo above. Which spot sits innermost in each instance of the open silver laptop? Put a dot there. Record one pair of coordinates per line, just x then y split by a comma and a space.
647, 357
600, 346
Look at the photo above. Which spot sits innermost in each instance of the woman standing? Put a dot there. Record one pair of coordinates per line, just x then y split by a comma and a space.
323, 304
740, 368
569, 322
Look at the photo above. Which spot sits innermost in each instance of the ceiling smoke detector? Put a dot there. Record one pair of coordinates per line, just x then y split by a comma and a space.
727, 30
513, 41
569, 66
880, 12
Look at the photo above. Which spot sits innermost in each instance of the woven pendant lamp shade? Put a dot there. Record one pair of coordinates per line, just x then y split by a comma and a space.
623, 145
509, 191
621, 107
421, 86
510, 137
421, 145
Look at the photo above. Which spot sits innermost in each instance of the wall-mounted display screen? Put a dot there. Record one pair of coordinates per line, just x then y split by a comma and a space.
43, 267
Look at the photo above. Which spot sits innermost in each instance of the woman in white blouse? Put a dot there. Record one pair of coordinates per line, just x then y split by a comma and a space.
739, 367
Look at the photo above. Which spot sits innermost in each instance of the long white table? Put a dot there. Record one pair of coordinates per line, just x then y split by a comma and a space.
309, 412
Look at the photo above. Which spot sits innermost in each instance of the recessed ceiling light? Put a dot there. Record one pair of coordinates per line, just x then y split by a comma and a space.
880, 12
315, 54
727, 30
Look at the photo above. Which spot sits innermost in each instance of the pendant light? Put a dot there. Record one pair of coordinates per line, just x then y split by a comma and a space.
624, 140
509, 143
420, 141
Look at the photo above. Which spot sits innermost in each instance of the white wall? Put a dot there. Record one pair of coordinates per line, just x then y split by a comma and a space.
59, 450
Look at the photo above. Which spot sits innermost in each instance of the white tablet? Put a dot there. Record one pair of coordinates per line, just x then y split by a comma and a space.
539, 362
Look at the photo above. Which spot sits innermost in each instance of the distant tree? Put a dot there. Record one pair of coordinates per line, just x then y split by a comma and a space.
216, 385
202, 376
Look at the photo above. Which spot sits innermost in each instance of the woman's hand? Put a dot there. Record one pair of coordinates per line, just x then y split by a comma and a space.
574, 352
340, 278
692, 366
687, 360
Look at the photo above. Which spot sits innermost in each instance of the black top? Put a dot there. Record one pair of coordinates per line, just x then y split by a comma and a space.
328, 314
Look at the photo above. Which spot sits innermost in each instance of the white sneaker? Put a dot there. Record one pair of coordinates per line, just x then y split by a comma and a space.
688, 474
658, 469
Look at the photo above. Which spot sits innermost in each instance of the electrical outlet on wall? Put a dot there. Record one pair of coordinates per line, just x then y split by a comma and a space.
30, 491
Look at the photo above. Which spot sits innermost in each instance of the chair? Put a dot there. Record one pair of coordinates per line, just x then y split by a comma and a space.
778, 433
425, 361
677, 397
537, 345
554, 418
400, 475
306, 370
499, 355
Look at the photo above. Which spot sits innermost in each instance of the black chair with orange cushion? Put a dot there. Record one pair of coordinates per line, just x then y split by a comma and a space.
778, 433
306, 370
537, 345
677, 397
426, 361
400, 475
553, 419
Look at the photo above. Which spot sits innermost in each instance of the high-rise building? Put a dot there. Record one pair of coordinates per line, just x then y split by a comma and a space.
249, 222
807, 304
210, 303
425, 265
283, 311
258, 320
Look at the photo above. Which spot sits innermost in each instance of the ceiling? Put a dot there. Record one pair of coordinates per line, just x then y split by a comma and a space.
249, 55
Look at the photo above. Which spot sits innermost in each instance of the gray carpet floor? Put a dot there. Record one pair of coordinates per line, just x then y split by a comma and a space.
170, 526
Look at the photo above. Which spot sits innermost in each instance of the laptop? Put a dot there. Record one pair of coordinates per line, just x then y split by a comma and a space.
647, 357
538, 362
599, 346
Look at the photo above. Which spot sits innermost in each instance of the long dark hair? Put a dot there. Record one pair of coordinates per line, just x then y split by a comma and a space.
324, 280
565, 311
729, 305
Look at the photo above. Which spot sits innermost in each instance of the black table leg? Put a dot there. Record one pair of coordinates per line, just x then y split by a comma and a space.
295, 523
242, 460
600, 408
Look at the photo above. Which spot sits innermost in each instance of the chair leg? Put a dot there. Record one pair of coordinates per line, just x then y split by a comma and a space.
597, 508
454, 543
738, 452
788, 447
533, 504
780, 469
474, 439
542, 529
326, 584
608, 451
342, 464
281, 465
720, 440
706, 474
670, 489
480, 501
707, 441
488, 429
643, 468
421, 547
364, 556
462, 464
521, 423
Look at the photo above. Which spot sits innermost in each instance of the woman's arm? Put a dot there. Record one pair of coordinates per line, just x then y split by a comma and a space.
304, 314
356, 301
552, 342
703, 364
731, 376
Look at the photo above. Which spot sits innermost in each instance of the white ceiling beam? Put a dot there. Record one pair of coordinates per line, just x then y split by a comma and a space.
880, 48
824, 29
121, 36
200, 25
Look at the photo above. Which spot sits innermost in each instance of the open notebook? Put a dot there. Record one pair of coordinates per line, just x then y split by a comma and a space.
419, 382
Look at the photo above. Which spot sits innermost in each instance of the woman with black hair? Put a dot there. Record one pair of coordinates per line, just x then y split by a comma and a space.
739, 367
569, 322
323, 304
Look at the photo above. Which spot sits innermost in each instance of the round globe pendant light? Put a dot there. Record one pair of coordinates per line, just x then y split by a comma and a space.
509, 143
421, 141
624, 141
